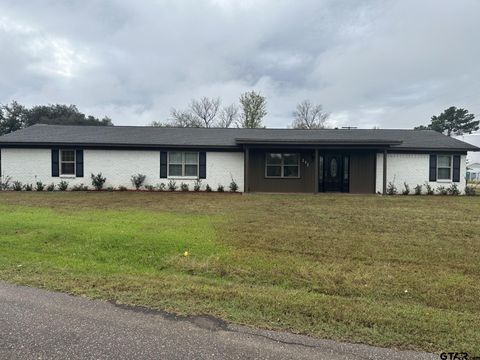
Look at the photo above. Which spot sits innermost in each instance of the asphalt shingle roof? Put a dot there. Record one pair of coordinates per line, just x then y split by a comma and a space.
143, 136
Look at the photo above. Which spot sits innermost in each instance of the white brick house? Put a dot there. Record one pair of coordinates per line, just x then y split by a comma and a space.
276, 160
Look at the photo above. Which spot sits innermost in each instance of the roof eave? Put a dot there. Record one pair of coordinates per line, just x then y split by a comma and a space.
317, 142
112, 146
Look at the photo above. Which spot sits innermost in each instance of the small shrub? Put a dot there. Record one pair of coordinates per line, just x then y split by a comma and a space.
150, 187
172, 185
17, 186
442, 190
453, 190
197, 186
28, 187
51, 187
184, 187
79, 187
62, 185
39, 186
208, 188
122, 188
220, 188
406, 189
470, 191
138, 180
110, 189
161, 187
418, 190
98, 181
233, 186
391, 189
5, 182
429, 189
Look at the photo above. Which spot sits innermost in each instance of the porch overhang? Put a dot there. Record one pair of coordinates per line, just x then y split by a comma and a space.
304, 143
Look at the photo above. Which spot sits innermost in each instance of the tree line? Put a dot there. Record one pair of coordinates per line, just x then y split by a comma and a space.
15, 116
205, 112
208, 112
248, 113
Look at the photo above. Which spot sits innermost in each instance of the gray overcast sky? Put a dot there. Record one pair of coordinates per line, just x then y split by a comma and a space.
385, 63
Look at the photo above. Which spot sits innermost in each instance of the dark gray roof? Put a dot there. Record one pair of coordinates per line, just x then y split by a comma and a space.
143, 136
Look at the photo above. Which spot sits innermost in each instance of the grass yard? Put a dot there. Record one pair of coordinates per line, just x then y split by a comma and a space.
389, 271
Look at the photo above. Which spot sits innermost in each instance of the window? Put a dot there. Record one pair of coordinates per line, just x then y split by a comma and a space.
67, 162
283, 165
345, 168
444, 167
182, 164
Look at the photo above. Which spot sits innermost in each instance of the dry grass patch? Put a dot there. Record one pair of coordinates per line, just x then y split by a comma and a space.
390, 271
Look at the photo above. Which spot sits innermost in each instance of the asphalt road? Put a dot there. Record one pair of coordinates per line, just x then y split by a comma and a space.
39, 324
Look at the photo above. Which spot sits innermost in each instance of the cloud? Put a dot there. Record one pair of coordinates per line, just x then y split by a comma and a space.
370, 63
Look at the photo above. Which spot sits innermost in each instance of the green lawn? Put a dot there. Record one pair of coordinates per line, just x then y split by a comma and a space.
390, 271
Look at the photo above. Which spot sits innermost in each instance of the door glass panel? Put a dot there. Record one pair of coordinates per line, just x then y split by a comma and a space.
320, 167
333, 168
345, 168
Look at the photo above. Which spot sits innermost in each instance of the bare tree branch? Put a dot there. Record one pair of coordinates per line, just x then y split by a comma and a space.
228, 116
206, 110
309, 116
183, 118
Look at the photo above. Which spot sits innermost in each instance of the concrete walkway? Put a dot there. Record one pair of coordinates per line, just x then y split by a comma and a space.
39, 324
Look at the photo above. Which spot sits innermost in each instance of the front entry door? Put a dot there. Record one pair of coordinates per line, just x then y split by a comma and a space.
333, 172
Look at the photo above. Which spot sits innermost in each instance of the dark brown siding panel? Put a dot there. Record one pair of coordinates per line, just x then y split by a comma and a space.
259, 183
362, 173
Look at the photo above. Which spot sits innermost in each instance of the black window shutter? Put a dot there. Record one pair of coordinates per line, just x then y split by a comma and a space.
456, 168
433, 168
163, 164
55, 163
79, 163
202, 165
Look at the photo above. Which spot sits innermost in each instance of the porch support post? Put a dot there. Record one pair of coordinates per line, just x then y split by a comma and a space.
316, 171
385, 172
245, 170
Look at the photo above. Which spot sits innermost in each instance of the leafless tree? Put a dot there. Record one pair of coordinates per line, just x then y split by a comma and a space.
183, 118
206, 110
309, 116
228, 116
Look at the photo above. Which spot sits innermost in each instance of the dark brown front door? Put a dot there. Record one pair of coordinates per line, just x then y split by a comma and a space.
333, 173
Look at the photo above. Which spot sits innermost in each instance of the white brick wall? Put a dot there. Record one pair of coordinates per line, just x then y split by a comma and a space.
412, 169
32, 165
